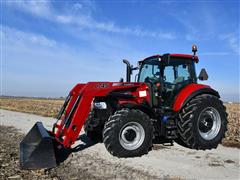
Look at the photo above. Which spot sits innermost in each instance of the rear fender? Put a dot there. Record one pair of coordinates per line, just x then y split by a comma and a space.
189, 92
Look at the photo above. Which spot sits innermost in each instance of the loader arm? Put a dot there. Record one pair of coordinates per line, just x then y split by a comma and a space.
42, 149
77, 107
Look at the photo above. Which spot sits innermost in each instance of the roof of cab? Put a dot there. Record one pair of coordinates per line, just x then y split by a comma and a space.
186, 56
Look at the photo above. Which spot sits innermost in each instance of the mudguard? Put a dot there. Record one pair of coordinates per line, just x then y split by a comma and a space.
189, 92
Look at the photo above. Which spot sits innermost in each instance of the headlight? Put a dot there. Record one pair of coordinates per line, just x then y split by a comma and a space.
100, 105
142, 93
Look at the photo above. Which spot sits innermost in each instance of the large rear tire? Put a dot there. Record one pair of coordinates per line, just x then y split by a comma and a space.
202, 123
128, 133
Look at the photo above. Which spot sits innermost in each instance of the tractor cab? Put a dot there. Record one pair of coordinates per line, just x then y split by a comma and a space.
168, 74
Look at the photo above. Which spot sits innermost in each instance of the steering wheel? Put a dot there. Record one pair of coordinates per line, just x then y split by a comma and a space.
152, 80
168, 84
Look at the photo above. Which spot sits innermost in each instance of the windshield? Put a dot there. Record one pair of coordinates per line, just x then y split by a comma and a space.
175, 72
150, 69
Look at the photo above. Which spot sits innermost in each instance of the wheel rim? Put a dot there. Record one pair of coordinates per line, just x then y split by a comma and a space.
131, 135
209, 123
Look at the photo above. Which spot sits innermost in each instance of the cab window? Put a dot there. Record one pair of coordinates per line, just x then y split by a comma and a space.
176, 73
149, 70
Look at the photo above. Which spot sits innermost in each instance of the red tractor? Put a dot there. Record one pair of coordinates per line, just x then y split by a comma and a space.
165, 104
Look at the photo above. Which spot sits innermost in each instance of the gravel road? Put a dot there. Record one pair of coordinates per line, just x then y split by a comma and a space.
94, 162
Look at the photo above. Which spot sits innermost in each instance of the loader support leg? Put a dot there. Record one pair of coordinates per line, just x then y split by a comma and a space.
76, 122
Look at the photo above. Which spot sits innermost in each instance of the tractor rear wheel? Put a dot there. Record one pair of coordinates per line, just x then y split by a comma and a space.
93, 128
128, 133
202, 122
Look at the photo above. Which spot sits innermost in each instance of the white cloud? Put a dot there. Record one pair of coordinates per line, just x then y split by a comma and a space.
39, 8
76, 16
15, 36
232, 40
77, 6
35, 65
64, 19
20, 45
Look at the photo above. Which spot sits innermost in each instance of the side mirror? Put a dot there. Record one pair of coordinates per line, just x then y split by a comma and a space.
203, 75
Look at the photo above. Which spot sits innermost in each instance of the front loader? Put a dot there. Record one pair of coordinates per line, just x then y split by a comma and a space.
165, 104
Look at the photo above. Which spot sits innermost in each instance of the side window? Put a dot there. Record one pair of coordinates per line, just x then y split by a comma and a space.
169, 74
145, 72
183, 72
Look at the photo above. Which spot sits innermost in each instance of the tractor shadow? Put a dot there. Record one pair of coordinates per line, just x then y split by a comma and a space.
161, 143
63, 153
87, 143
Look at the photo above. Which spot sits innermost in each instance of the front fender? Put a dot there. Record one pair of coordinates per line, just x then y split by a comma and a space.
189, 92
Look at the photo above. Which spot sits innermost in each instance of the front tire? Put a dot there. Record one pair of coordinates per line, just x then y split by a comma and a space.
202, 123
128, 133
93, 128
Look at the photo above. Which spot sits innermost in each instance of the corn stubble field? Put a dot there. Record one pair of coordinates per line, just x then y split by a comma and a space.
50, 107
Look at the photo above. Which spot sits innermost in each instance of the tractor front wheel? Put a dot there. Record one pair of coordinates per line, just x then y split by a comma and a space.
202, 122
128, 133
93, 128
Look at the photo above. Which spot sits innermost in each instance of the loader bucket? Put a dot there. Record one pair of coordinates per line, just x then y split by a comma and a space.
37, 149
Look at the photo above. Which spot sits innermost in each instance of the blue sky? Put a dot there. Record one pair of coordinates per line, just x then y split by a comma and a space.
49, 46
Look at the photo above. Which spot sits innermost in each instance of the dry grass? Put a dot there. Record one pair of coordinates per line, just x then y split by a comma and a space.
39, 106
50, 108
232, 138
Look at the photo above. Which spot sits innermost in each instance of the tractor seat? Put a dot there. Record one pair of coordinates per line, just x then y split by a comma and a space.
178, 80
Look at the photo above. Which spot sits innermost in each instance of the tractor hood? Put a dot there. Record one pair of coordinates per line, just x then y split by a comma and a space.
103, 88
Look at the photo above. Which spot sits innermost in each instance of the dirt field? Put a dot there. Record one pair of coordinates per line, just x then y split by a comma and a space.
50, 108
40, 106
9, 164
233, 134
9, 160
